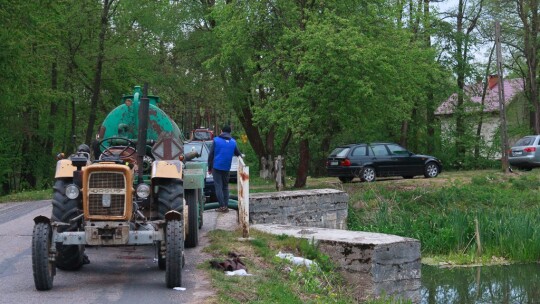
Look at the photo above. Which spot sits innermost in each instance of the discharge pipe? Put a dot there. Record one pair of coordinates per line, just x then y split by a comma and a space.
143, 129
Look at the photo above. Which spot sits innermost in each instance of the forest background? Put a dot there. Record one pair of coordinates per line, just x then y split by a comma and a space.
294, 77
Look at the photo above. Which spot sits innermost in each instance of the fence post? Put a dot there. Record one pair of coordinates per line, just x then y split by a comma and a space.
278, 169
243, 196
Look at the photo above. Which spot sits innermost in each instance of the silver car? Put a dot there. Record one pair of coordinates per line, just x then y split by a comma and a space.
525, 153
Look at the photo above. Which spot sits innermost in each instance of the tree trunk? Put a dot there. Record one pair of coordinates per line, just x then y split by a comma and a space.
431, 103
52, 111
28, 170
404, 130
96, 88
303, 164
460, 70
529, 17
481, 119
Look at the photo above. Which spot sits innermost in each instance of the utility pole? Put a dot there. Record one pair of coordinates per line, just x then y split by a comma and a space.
502, 113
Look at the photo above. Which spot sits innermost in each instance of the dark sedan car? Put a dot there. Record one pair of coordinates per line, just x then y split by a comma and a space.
368, 161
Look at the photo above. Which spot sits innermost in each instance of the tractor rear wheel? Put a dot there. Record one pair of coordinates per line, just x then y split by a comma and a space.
192, 238
42, 267
69, 257
175, 253
170, 196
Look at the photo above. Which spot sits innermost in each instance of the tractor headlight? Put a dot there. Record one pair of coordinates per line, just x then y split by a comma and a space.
72, 191
143, 191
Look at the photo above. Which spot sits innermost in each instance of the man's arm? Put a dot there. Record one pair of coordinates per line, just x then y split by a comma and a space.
237, 152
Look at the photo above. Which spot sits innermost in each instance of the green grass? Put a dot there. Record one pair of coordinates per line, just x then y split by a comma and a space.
441, 214
27, 196
274, 280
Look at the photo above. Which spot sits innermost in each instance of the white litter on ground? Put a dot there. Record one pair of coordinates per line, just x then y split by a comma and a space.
179, 288
296, 260
239, 272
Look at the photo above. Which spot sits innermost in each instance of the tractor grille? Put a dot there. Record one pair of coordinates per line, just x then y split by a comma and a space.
106, 194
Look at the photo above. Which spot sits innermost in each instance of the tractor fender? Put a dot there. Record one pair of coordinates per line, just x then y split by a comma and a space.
64, 168
173, 215
42, 219
167, 169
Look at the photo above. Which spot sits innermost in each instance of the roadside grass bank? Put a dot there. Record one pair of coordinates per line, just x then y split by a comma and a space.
35, 195
483, 217
275, 280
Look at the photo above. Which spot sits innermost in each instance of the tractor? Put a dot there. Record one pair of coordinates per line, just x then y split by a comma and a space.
134, 186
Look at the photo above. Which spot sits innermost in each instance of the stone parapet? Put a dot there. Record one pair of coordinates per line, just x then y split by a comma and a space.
325, 208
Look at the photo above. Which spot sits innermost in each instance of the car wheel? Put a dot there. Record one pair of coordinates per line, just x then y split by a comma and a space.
431, 170
345, 179
368, 174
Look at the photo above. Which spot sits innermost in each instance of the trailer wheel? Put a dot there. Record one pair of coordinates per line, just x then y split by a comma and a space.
175, 252
192, 238
170, 196
69, 257
42, 267
201, 207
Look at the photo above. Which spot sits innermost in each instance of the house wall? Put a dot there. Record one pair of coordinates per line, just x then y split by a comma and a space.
517, 117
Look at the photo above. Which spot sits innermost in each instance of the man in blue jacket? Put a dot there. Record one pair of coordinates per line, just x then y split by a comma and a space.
219, 164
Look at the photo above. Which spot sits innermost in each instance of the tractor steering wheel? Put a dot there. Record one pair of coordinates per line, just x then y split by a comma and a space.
122, 151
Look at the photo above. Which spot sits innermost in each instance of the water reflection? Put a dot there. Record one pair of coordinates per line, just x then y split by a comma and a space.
489, 284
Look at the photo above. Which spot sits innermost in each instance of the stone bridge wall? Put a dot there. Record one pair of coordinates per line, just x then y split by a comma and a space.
323, 208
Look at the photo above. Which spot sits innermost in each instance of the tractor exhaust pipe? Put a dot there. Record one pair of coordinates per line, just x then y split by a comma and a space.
143, 128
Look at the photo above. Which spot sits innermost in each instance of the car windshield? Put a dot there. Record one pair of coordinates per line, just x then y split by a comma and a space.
525, 141
197, 147
202, 135
340, 152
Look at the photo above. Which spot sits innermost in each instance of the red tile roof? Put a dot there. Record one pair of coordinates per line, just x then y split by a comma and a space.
512, 87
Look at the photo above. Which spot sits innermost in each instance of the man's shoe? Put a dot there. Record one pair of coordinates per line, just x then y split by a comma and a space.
225, 209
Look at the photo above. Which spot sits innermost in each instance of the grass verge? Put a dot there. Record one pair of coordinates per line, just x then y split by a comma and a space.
35, 195
443, 214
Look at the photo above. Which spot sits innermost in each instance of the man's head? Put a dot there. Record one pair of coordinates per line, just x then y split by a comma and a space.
226, 129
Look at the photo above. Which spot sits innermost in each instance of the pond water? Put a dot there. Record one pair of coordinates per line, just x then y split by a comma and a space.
487, 284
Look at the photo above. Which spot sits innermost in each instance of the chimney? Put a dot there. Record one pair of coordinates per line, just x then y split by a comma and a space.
493, 81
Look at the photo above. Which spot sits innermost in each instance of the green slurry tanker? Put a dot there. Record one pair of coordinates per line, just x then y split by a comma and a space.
135, 186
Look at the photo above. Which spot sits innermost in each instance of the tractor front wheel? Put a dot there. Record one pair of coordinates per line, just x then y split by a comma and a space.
175, 253
42, 266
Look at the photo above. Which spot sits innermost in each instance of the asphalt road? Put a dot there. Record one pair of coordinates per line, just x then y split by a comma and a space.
114, 275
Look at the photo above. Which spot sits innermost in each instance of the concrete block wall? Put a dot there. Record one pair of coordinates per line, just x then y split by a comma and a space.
325, 208
375, 264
